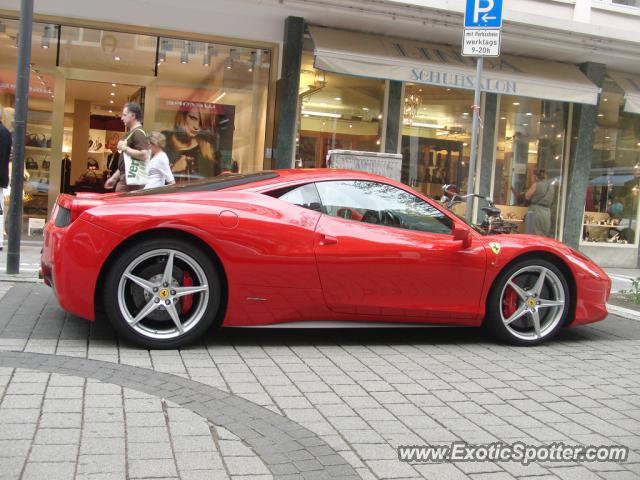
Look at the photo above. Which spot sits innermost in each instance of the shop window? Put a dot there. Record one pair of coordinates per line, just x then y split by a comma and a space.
104, 50
40, 107
436, 134
531, 139
611, 208
629, 3
337, 112
210, 101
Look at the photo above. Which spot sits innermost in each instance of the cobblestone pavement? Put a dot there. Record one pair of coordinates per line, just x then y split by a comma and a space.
361, 392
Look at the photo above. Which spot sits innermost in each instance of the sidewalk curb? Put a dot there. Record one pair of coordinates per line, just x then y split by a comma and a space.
18, 278
623, 312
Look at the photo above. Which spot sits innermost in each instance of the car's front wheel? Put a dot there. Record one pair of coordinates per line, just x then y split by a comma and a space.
529, 302
162, 293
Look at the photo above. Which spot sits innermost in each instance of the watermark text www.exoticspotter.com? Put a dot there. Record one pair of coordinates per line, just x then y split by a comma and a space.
514, 452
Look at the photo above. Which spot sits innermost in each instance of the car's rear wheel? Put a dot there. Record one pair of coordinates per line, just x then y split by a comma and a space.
529, 302
162, 293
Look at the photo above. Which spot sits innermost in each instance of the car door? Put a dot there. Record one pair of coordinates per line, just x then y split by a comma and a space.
386, 252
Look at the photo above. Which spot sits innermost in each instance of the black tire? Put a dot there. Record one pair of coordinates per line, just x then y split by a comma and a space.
179, 311
518, 297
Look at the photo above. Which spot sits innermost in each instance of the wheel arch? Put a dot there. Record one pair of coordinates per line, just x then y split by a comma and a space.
555, 260
152, 234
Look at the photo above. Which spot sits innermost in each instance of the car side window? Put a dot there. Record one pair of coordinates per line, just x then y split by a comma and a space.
380, 203
305, 196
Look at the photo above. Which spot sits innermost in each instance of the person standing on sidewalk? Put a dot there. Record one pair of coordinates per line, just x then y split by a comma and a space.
136, 145
5, 156
541, 195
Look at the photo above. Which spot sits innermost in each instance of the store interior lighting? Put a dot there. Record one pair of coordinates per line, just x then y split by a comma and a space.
46, 37
426, 125
209, 52
219, 97
184, 56
321, 114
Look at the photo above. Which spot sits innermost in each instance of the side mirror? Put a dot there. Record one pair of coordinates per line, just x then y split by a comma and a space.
462, 234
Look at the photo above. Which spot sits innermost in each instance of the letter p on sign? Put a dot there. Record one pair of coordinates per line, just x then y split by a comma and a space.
478, 9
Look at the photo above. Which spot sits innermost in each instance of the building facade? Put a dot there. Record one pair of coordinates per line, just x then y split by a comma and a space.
245, 85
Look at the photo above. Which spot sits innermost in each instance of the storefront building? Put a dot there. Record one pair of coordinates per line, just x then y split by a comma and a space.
278, 85
530, 122
208, 96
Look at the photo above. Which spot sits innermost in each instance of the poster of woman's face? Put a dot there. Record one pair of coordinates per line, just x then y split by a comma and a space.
200, 142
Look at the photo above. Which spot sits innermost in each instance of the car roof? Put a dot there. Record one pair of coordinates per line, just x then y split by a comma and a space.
259, 181
300, 175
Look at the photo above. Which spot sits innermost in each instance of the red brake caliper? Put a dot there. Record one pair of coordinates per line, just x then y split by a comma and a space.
509, 302
187, 300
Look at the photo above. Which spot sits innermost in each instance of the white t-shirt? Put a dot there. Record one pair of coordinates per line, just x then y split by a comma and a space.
159, 171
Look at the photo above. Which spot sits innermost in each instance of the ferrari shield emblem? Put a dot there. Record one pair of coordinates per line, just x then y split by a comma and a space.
495, 247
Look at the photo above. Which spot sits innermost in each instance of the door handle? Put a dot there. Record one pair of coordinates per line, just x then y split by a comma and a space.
327, 240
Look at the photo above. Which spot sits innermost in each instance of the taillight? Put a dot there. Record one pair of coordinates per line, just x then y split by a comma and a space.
63, 218
69, 208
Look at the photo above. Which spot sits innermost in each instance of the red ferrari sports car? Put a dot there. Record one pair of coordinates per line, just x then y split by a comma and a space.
308, 247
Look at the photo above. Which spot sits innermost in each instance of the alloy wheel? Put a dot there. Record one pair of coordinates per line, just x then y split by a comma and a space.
163, 294
532, 302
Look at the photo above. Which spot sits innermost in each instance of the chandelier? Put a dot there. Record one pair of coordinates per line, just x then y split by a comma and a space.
412, 104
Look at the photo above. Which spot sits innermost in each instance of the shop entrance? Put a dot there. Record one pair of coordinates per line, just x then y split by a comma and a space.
92, 129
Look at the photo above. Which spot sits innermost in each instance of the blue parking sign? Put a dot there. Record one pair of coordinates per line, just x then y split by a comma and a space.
483, 14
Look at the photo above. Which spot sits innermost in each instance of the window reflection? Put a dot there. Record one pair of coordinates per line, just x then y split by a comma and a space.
436, 134
611, 206
92, 49
379, 203
531, 138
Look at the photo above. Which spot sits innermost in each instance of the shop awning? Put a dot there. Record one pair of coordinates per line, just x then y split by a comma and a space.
631, 86
376, 56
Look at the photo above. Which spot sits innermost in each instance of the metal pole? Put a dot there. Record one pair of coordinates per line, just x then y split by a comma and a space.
20, 130
474, 141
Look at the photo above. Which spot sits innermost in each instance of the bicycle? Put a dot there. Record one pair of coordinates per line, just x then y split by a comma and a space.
492, 223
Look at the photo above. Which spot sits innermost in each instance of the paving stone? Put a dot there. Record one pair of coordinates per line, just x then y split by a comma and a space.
148, 451
17, 431
14, 448
574, 473
103, 446
500, 398
245, 466
53, 453
49, 471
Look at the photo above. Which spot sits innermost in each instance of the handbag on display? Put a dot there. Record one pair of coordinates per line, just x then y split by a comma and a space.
88, 179
92, 164
31, 164
46, 163
43, 185
37, 140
